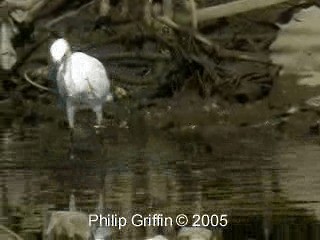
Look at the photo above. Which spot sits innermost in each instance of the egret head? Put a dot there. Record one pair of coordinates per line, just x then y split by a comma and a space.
59, 49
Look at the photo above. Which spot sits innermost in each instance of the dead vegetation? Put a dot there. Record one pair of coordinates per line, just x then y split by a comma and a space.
171, 45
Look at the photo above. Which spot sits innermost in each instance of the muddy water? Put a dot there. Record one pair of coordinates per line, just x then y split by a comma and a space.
267, 185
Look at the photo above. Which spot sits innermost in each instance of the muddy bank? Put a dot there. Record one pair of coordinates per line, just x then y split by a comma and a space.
178, 92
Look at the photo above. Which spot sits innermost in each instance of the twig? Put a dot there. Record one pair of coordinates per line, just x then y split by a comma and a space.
16, 236
26, 77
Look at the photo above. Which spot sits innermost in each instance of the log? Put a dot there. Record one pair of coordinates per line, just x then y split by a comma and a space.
233, 8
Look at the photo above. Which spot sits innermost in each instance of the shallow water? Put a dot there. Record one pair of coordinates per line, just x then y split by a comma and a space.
268, 186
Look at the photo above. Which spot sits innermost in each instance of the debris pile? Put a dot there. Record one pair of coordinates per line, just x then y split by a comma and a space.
160, 47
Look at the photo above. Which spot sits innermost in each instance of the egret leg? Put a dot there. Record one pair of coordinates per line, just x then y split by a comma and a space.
70, 114
99, 114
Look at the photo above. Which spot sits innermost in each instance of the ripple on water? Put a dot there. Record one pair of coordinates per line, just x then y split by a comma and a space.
258, 180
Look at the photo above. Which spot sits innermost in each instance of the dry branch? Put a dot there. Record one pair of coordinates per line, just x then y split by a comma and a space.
133, 81
67, 15
23, 5
36, 8
233, 8
194, 17
28, 79
220, 51
134, 55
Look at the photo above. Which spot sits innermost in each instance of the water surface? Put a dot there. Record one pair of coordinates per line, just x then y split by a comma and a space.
268, 185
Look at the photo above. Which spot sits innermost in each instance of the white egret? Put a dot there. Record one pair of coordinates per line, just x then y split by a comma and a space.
82, 80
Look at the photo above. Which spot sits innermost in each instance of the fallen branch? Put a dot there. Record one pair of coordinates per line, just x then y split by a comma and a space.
36, 8
220, 51
28, 53
134, 81
67, 15
142, 56
194, 17
233, 8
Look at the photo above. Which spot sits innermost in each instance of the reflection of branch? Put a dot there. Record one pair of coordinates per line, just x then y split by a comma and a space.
11, 233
